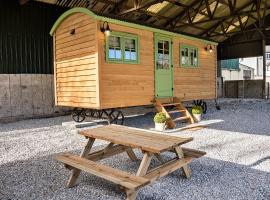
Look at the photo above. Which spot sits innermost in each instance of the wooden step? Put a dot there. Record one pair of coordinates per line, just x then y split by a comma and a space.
170, 104
181, 118
116, 176
176, 111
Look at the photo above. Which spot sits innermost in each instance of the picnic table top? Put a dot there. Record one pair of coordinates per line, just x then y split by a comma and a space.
136, 138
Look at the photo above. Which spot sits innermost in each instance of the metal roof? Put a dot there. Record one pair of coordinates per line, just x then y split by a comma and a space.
216, 20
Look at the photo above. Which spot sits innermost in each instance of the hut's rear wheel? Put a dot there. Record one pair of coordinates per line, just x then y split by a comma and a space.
202, 104
78, 115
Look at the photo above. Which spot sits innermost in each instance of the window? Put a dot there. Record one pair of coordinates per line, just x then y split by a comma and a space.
122, 48
189, 56
247, 74
163, 58
268, 56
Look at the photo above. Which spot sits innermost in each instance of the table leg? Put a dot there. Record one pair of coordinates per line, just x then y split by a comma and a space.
160, 159
147, 157
76, 172
180, 154
131, 194
131, 154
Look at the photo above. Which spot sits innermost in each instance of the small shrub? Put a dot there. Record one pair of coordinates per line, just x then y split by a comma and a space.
160, 118
197, 110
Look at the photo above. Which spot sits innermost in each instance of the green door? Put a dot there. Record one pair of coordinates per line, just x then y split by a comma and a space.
163, 66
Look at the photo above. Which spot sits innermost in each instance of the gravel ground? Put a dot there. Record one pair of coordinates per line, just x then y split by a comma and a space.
237, 164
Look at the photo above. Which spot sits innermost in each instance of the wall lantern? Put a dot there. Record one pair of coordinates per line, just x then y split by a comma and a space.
105, 28
209, 48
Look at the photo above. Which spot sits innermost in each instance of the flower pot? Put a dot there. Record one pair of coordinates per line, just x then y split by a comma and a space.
160, 126
197, 117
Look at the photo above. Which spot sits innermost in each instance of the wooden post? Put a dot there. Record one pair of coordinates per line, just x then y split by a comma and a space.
180, 154
76, 172
131, 154
147, 157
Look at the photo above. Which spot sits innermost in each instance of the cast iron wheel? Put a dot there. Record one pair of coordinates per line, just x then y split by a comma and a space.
116, 117
78, 115
202, 104
97, 114
204, 107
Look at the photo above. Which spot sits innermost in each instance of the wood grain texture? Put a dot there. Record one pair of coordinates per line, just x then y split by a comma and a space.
136, 138
123, 85
194, 83
76, 62
111, 174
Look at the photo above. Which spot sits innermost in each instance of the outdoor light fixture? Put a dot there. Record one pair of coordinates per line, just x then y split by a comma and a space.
209, 48
106, 30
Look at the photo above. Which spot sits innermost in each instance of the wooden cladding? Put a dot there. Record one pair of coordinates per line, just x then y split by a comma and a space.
85, 79
76, 62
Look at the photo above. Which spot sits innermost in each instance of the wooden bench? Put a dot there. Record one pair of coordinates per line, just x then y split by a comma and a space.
128, 181
174, 164
125, 139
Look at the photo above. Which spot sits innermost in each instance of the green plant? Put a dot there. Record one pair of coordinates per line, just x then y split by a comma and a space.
160, 118
197, 110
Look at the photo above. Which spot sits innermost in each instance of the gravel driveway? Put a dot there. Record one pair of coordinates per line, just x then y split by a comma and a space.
237, 164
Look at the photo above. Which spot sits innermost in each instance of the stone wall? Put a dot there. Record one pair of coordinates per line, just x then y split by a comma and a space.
27, 96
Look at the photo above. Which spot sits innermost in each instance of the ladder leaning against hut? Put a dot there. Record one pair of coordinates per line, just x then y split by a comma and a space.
163, 105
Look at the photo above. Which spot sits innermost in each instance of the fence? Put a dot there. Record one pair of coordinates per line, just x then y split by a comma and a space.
245, 89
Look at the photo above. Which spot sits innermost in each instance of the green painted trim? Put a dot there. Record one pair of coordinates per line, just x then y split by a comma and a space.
123, 36
123, 23
158, 36
70, 12
182, 46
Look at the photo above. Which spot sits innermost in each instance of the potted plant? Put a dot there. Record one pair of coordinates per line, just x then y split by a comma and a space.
160, 121
197, 113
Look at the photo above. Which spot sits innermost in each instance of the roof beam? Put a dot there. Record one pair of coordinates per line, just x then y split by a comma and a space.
245, 13
140, 6
183, 13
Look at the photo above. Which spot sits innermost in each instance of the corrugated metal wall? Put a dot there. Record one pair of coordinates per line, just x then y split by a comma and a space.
25, 43
231, 64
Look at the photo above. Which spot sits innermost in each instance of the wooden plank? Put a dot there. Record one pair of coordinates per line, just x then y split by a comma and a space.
135, 138
76, 79
74, 42
131, 154
89, 100
77, 84
76, 172
73, 19
147, 157
180, 155
99, 155
111, 174
166, 168
78, 94
76, 53
77, 89
81, 23
86, 36
76, 73
78, 64
88, 25
76, 47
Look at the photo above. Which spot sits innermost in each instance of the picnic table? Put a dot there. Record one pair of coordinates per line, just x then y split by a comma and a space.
125, 139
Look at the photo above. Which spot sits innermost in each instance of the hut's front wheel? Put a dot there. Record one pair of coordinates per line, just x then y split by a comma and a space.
116, 117
78, 115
